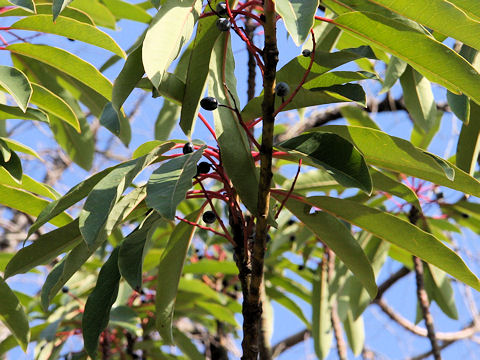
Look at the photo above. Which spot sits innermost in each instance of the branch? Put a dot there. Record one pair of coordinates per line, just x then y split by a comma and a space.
382, 288
289, 342
337, 331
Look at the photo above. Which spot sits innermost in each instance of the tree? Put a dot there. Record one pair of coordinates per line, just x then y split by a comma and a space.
221, 220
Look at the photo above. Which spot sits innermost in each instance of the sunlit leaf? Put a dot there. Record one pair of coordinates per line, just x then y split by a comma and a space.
17, 84
298, 16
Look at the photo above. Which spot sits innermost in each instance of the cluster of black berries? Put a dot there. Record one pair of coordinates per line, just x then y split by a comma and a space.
223, 24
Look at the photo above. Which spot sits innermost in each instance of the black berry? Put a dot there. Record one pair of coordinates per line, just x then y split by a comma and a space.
306, 53
282, 89
268, 238
65, 289
203, 168
290, 222
235, 287
465, 216
209, 217
200, 257
262, 17
301, 267
292, 238
188, 148
209, 103
224, 283
221, 8
223, 24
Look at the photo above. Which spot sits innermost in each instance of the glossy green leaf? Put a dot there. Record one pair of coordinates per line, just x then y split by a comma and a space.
17, 84
357, 117
44, 249
210, 266
13, 112
58, 6
54, 104
132, 252
169, 30
128, 78
28, 203
433, 13
12, 164
398, 155
399, 232
27, 184
148, 146
441, 291
168, 185
232, 140
169, 272
395, 69
99, 303
290, 286
305, 98
198, 71
298, 16
67, 63
431, 58
70, 28
71, 263
28, 5
116, 122
468, 146
79, 147
166, 120
287, 303
97, 11
13, 315
339, 157
321, 313
337, 237
418, 97
105, 194
125, 10
46, 9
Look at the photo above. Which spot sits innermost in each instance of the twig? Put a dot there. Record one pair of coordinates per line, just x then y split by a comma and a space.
289, 342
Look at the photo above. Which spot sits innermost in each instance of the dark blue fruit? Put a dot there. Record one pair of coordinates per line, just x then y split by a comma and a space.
209, 103
203, 168
223, 24
306, 53
188, 148
221, 8
282, 89
209, 217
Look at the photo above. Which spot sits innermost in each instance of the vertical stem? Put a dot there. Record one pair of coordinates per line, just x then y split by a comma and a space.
252, 65
337, 331
422, 296
252, 305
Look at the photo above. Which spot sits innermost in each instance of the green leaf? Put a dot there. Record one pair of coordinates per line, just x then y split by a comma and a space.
470, 7
168, 185
431, 58
79, 147
232, 140
97, 11
13, 165
167, 119
395, 69
99, 303
468, 146
17, 84
418, 97
287, 303
52, 103
125, 10
46, 9
116, 122
28, 5
305, 98
71, 29
13, 112
433, 13
321, 313
399, 232
197, 72
105, 194
186, 345
28, 203
132, 252
339, 157
210, 266
336, 236
13, 316
44, 249
169, 30
27, 184
169, 272
67, 63
355, 331
398, 155
128, 78
357, 117
441, 291
58, 6
148, 146
298, 16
